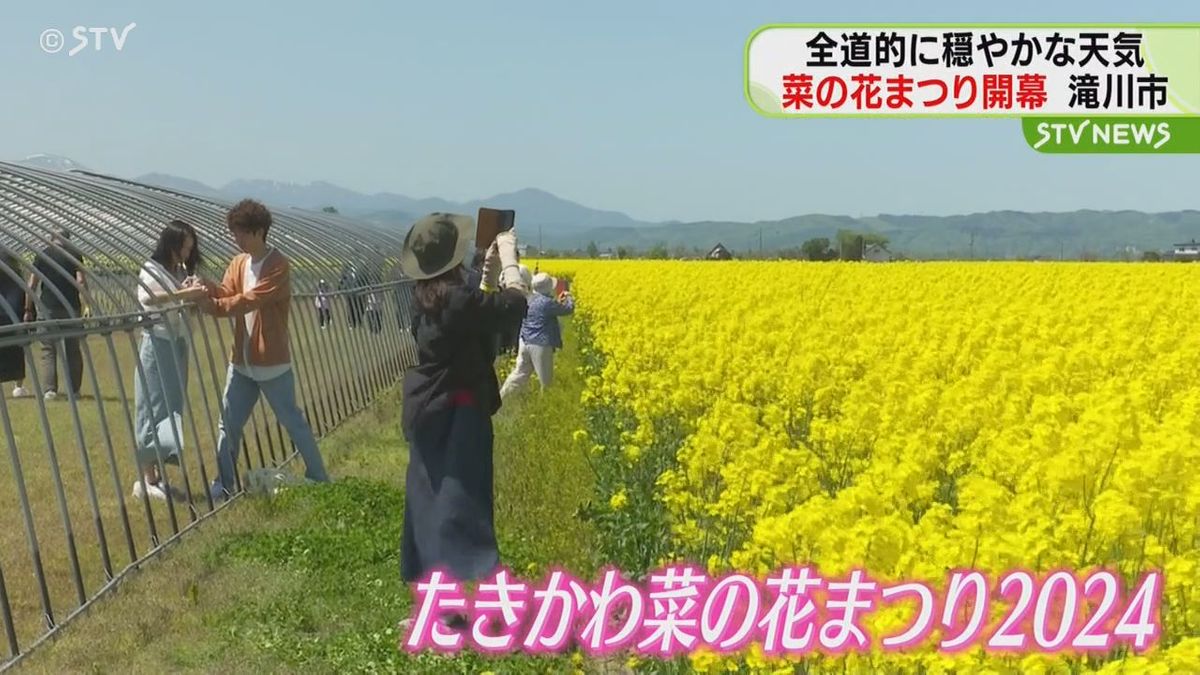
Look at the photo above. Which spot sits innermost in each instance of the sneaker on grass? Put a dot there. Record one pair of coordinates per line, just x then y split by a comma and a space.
140, 490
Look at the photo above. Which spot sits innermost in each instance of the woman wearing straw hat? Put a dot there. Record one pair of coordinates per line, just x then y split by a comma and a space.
450, 396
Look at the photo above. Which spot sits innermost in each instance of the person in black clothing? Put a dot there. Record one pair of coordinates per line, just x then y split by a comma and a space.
352, 281
449, 398
475, 271
68, 283
323, 304
12, 308
506, 339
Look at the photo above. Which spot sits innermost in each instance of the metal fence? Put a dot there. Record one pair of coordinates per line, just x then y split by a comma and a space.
71, 526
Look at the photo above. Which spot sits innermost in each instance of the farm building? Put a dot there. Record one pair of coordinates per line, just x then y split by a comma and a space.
719, 252
876, 253
1189, 252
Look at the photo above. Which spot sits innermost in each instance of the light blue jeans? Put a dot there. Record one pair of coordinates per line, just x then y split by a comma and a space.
165, 366
241, 395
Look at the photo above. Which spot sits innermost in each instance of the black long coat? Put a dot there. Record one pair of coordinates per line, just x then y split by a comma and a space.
12, 358
450, 396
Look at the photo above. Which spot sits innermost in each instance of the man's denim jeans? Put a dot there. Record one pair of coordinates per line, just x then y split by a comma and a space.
241, 394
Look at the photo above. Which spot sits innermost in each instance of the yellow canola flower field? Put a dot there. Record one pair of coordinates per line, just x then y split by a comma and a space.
907, 419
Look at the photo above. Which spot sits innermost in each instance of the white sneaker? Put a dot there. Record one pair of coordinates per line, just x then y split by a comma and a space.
51, 395
155, 491
21, 392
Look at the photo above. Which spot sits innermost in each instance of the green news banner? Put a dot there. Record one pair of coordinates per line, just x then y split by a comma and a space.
1113, 134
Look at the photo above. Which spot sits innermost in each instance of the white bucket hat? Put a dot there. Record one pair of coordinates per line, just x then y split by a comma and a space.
543, 283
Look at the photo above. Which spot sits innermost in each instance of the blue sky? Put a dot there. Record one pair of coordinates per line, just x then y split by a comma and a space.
631, 106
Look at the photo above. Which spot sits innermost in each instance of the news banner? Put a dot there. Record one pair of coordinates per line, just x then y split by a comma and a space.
792, 611
1076, 87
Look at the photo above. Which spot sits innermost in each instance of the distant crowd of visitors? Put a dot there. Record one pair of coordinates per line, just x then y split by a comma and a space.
362, 305
61, 265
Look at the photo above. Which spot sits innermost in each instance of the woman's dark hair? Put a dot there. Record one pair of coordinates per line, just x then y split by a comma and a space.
170, 243
433, 294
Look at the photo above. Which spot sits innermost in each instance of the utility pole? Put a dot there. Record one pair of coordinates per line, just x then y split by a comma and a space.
760, 246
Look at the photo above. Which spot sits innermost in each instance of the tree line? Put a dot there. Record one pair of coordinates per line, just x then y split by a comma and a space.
845, 245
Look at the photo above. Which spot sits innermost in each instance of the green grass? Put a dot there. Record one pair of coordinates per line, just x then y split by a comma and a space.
308, 581
338, 372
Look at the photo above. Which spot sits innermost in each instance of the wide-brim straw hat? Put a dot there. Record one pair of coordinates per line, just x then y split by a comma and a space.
436, 244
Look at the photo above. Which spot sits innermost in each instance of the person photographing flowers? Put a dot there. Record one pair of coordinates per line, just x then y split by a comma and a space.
450, 396
541, 335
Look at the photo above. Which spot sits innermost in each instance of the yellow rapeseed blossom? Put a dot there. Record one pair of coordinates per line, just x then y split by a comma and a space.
619, 500
910, 419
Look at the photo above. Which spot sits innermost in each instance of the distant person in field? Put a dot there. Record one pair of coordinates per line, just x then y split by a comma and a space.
494, 344
450, 396
160, 388
352, 281
257, 289
61, 264
506, 339
374, 312
323, 303
12, 313
541, 335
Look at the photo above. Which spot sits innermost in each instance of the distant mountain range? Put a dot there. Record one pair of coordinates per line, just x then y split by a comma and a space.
564, 224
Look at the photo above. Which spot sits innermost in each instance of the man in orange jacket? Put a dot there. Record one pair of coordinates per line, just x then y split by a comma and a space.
257, 290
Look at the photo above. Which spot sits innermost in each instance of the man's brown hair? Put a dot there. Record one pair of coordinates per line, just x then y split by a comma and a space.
250, 216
